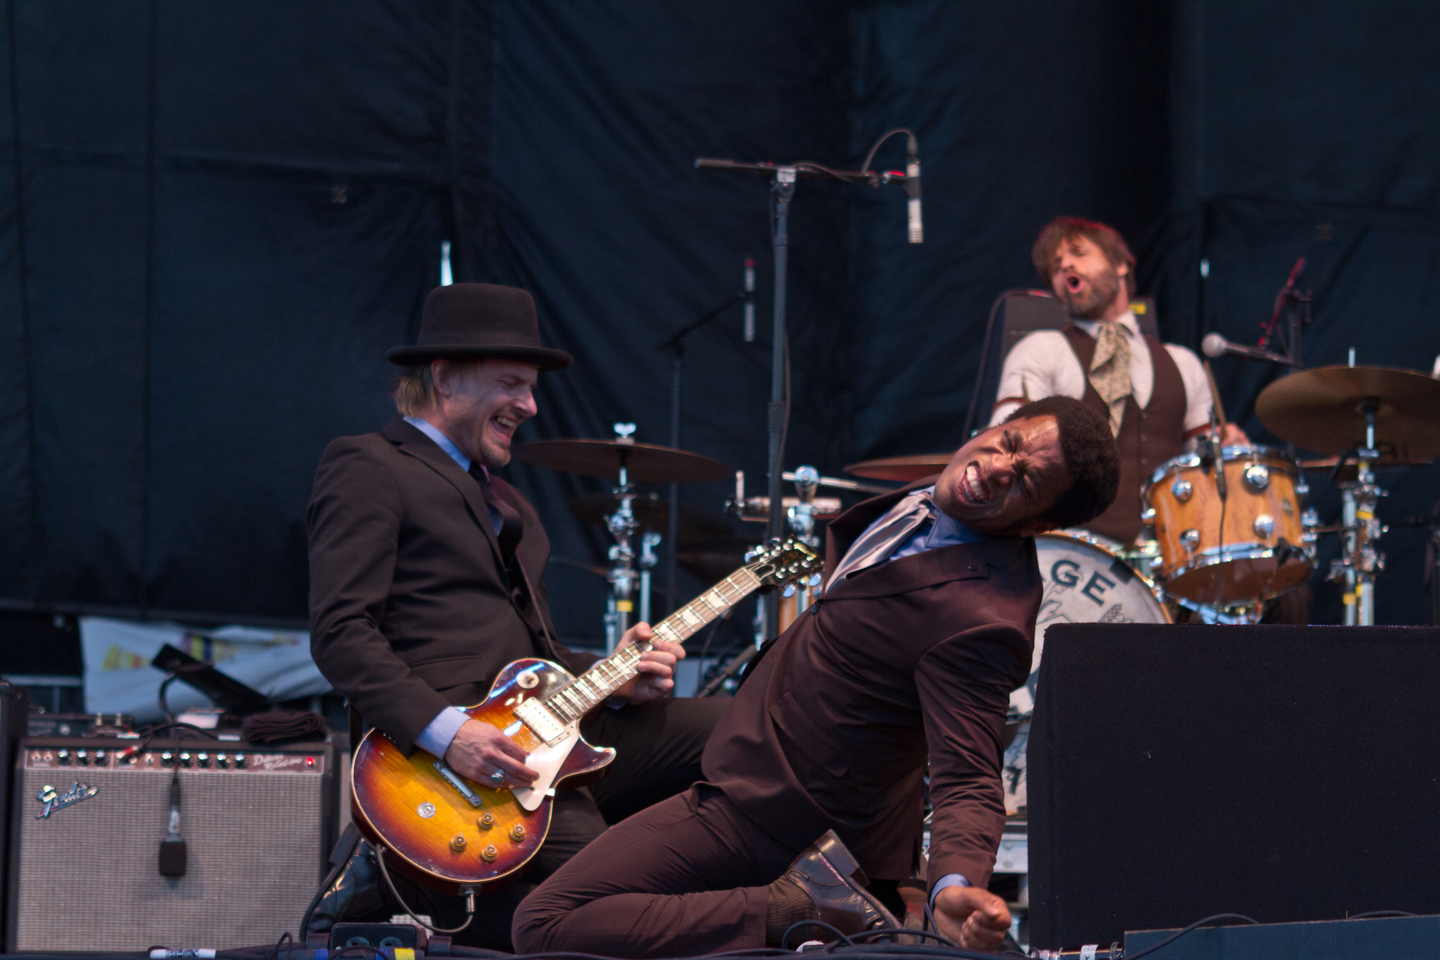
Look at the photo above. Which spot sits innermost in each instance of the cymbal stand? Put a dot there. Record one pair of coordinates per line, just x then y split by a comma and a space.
621, 524
649, 540
1361, 560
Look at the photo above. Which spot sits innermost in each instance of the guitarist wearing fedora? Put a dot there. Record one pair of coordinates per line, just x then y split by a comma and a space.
426, 580
924, 627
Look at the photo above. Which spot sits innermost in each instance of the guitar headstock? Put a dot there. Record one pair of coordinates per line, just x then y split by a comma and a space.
780, 561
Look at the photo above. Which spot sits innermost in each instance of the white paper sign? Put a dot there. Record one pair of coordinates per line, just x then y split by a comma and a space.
119, 678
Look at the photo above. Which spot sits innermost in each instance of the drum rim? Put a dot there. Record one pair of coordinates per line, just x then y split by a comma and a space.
1253, 453
1207, 558
1157, 590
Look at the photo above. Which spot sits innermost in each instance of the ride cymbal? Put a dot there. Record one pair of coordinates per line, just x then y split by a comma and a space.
1323, 410
644, 462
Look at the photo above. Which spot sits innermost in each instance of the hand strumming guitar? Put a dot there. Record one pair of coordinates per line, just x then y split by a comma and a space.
479, 749
656, 666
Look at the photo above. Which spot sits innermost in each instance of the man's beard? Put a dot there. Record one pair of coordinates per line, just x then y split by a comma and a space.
1092, 306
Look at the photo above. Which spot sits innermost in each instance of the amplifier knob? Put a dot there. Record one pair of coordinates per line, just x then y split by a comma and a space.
82, 758
64, 757
222, 761
99, 758
203, 759
517, 832
490, 854
457, 843
185, 760
240, 762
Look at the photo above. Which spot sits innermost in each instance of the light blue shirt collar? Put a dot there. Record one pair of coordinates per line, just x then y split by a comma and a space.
444, 442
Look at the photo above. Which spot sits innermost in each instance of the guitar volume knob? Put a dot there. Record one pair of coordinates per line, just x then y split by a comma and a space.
517, 832
486, 821
489, 854
457, 844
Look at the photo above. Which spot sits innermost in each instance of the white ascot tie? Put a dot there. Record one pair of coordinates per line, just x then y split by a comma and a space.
889, 533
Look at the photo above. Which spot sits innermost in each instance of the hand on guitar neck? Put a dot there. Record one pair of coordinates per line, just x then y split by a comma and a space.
480, 748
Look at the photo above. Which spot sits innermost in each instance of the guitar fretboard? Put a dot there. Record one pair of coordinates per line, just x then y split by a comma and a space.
580, 696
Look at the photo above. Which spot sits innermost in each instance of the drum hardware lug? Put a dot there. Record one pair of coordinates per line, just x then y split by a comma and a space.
1147, 516
1256, 477
1182, 489
1190, 539
1264, 526
1302, 489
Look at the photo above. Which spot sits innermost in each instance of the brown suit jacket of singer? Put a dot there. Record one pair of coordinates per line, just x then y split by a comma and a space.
410, 605
915, 656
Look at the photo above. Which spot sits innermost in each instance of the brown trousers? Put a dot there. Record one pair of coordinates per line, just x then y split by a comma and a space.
658, 748
688, 876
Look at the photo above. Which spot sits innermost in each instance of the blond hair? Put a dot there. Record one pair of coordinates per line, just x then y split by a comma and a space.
414, 391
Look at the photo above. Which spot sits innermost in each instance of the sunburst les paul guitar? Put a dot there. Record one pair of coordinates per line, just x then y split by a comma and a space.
451, 833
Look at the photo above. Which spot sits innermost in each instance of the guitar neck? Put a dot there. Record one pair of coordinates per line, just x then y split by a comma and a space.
585, 692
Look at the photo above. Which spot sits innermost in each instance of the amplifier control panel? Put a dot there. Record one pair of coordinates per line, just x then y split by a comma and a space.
121, 756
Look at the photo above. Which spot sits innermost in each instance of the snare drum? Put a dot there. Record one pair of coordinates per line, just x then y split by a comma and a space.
1086, 581
1243, 550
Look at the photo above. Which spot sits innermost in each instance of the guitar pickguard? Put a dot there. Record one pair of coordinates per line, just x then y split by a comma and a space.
546, 761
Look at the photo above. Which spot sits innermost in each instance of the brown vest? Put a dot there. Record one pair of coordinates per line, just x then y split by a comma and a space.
1147, 437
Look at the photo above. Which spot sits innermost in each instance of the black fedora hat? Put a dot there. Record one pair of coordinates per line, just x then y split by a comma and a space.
469, 321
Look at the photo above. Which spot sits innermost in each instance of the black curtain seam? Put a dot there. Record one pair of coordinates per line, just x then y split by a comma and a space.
23, 266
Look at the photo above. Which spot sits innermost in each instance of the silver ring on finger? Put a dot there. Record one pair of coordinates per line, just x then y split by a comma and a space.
498, 776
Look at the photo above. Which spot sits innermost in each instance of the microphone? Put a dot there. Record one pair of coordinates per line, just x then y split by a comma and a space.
912, 190
749, 299
1215, 345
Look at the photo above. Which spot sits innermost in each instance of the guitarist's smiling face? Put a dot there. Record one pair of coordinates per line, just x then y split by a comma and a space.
479, 405
1005, 478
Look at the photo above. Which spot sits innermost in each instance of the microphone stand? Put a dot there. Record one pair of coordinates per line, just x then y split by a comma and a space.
782, 183
675, 345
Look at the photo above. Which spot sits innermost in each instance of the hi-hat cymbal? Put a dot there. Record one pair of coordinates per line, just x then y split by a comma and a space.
1349, 472
645, 463
1323, 410
653, 513
904, 469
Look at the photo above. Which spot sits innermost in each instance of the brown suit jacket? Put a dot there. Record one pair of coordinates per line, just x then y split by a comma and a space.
410, 606
914, 657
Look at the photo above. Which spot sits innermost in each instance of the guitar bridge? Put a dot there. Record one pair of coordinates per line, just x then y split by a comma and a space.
453, 778
538, 718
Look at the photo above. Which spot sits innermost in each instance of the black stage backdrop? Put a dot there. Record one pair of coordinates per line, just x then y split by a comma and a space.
214, 219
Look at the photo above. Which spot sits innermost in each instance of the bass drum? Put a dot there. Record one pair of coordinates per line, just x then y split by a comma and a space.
1086, 581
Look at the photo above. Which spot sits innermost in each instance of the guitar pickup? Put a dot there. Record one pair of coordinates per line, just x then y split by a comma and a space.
453, 778
539, 719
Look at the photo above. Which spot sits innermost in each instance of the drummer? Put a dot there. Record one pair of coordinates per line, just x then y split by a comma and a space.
1156, 395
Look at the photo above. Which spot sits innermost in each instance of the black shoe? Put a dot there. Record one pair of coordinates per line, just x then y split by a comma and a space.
832, 878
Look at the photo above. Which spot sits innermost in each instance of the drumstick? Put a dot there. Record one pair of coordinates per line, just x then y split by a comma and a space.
1215, 396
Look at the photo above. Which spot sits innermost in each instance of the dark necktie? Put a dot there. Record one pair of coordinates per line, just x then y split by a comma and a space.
509, 532
509, 537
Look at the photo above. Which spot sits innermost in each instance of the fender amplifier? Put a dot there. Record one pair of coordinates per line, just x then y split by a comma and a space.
88, 818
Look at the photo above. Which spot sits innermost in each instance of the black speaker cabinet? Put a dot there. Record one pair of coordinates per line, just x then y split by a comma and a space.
87, 822
1285, 773
14, 709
